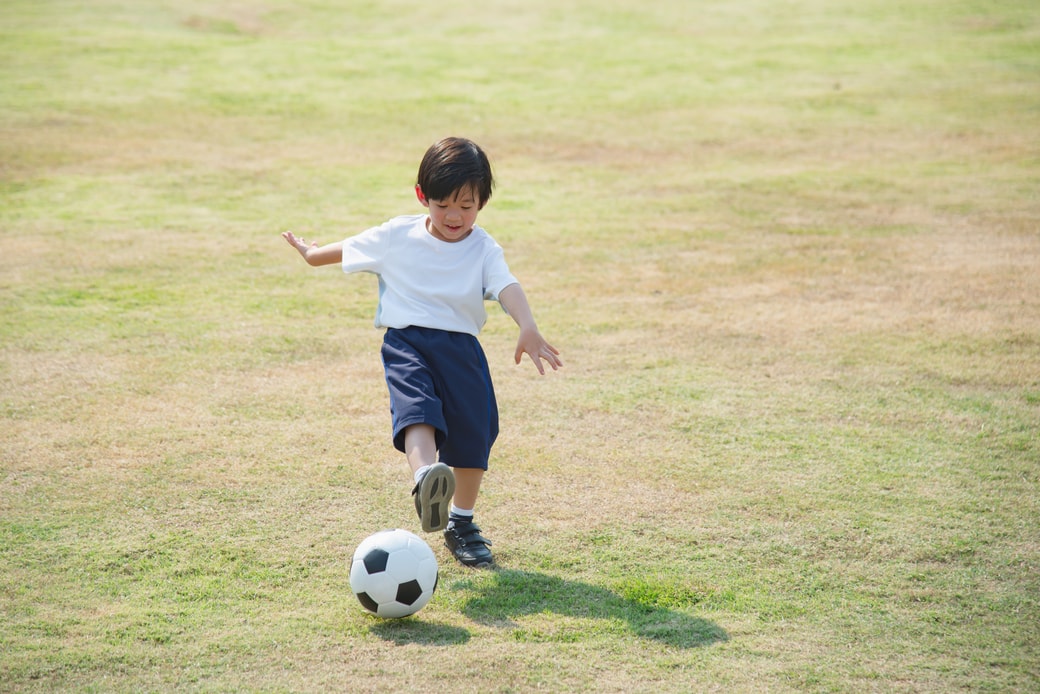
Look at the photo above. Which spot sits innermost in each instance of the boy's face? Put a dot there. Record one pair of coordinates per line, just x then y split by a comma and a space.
451, 219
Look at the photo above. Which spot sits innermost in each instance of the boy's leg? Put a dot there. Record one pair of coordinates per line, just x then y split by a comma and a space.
467, 486
434, 482
420, 446
462, 536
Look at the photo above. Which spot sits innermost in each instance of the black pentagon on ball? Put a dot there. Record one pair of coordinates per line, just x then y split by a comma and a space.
368, 603
375, 561
408, 592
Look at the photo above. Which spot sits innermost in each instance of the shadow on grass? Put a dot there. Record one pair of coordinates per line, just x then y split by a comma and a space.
496, 598
414, 630
507, 594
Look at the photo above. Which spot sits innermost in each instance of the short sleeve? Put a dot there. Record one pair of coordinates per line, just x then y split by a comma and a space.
496, 272
365, 251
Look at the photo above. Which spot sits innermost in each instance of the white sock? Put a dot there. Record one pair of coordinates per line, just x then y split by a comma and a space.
465, 513
420, 472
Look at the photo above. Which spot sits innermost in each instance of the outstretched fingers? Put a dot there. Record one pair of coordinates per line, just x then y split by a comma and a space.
298, 242
537, 353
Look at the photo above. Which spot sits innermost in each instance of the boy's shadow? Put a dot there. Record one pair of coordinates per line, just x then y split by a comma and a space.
498, 597
510, 594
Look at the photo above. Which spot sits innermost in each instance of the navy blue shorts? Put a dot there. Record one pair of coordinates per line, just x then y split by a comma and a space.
441, 378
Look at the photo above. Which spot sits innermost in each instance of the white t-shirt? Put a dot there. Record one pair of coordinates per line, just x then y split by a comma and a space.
426, 282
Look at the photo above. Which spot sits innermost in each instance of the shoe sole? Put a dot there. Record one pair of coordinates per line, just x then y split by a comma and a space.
434, 497
472, 564
488, 564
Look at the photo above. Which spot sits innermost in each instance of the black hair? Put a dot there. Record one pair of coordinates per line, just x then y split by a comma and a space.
452, 164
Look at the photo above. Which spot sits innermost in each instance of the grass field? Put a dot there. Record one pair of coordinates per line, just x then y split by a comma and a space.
790, 253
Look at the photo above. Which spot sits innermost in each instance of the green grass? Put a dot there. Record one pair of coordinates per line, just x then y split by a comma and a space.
788, 251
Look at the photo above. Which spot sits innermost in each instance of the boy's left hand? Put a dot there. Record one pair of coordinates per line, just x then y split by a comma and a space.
532, 342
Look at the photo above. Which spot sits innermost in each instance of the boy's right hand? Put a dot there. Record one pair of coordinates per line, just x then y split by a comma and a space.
298, 242
312, 253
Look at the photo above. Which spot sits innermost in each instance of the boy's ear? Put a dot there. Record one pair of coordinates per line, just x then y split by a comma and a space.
422, 198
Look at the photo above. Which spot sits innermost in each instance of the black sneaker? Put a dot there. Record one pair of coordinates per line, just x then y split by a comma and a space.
433, 495
464, 540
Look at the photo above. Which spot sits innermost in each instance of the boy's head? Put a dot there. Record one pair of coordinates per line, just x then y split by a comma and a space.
452, 165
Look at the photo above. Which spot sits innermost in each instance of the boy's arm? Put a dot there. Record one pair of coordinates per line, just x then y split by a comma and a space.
514, 301
313, 253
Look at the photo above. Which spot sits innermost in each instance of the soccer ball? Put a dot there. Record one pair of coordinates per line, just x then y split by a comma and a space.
394, 573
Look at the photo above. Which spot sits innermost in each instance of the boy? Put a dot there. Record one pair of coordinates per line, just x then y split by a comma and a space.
435, 271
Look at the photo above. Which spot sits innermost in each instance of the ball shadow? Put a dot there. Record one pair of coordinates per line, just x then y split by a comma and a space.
508, 594
412, 630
